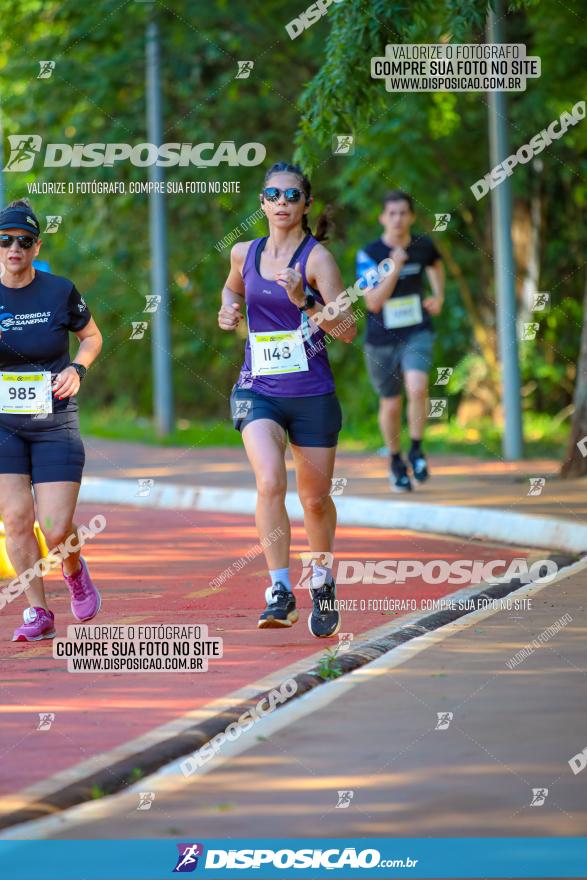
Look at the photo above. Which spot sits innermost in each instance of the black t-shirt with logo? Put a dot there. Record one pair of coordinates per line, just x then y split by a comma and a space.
35, 322
421, 253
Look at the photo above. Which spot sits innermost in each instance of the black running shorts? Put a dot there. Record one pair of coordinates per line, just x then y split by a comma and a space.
47, 449
309, 421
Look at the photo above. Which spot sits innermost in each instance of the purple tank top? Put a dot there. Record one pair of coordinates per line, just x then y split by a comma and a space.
269, 308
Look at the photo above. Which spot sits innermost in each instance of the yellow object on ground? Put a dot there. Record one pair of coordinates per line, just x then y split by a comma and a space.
6, 569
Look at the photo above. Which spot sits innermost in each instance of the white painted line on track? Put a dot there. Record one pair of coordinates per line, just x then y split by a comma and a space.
475, 523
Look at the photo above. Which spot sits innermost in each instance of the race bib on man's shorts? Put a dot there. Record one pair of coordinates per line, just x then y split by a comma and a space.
403, 311
26, 393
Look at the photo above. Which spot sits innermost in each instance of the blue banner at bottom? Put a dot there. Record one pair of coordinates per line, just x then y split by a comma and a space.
368, 858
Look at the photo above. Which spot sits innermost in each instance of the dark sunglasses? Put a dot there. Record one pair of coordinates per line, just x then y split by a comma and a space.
24, 241
272, 194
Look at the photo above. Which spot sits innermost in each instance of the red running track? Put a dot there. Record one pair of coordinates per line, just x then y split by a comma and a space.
155, 566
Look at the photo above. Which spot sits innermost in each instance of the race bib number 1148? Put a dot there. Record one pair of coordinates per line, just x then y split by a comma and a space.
278, 351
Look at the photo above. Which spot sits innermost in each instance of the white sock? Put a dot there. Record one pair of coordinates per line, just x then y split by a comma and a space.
320, 575
281, 575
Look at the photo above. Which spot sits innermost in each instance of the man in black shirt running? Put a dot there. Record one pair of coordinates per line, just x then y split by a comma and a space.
400, 336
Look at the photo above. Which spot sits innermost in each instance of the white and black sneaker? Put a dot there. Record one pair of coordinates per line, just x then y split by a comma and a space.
324, 621
419, 466
281, 608
398, 476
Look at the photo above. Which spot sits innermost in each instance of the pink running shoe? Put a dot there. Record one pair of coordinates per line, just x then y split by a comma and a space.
85, 598
38, 624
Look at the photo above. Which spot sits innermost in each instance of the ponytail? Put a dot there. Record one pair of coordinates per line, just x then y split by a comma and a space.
324, 224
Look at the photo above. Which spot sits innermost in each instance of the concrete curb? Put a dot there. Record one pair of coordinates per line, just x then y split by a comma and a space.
475, 523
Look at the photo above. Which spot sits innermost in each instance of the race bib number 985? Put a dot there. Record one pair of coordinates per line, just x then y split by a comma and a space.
25, 393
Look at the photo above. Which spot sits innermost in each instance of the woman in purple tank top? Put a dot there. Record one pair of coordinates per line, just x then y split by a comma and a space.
285, 389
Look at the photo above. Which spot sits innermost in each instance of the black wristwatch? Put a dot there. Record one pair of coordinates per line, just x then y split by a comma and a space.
80, 370
309, 304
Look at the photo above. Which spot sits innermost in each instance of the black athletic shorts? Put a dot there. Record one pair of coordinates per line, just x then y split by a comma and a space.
387, 364
308, 421
48, 449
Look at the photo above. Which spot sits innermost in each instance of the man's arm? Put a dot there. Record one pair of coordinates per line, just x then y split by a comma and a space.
433, 304
376, 298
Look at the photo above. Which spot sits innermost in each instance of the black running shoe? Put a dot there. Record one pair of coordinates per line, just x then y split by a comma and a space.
281, 608
419, 466
398, 477
324, 621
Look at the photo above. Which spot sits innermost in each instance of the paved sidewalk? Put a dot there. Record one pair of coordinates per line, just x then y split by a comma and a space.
457, 480
512, 731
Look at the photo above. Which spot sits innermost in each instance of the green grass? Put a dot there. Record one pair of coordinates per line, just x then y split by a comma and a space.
544, 436
113, 424
329, 665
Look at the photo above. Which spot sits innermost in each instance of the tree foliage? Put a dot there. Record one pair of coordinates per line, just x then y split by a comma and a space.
299, 95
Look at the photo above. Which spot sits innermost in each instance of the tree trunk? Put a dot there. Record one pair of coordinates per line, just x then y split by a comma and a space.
575, 461
484, 336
